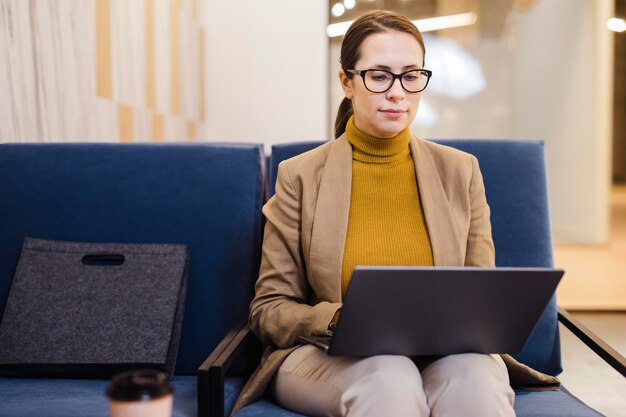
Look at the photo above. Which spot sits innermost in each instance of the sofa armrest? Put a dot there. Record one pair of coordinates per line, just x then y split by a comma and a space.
599, 346
212, 371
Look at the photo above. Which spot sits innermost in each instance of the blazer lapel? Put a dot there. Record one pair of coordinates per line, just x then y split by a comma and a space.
444, 239
330, 224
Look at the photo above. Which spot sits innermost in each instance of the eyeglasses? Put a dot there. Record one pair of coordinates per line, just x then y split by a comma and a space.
379, 81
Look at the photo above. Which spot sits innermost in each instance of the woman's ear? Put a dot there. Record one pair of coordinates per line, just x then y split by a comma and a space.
346, 84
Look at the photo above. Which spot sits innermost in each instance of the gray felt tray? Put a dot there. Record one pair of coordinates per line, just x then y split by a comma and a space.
93, 309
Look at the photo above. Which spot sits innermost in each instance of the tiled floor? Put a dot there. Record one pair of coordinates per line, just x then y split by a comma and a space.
595, 275
585, 374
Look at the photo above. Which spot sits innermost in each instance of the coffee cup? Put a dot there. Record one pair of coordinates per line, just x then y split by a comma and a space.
140, 393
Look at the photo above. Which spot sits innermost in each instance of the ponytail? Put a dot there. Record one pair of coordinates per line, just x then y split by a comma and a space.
343, 115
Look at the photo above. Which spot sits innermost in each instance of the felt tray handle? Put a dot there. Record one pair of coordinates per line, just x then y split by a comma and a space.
103, 259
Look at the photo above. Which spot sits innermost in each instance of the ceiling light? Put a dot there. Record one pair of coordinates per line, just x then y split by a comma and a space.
616, 24
338, 9
424, 25
349, 4
446, 22
338, 29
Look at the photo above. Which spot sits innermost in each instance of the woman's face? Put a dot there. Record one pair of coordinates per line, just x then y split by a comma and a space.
384, 115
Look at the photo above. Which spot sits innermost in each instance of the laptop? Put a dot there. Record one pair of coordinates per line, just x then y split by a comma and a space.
438, 311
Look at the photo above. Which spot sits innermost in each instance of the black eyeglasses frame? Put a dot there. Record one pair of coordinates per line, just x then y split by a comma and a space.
361, 73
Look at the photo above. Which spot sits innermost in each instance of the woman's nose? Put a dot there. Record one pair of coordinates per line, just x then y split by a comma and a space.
396, 91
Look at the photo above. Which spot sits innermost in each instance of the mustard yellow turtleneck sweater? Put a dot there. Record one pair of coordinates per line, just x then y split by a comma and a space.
386, 224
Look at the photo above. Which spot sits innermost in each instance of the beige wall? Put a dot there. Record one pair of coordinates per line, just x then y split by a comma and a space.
267, 70
105, 70
153, 70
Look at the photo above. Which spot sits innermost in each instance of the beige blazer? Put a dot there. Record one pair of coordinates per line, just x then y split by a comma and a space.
299, 285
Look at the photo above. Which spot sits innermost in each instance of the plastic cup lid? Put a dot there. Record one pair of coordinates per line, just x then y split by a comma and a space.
139, 385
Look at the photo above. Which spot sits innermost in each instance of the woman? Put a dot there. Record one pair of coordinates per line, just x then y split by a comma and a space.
374, 196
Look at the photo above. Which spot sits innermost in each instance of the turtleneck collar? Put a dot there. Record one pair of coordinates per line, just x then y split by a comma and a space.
367, 148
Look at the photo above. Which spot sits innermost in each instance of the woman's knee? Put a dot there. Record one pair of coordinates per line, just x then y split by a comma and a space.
389, 378
474, 382
386, 384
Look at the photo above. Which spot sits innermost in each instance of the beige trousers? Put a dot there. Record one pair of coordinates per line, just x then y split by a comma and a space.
312, 383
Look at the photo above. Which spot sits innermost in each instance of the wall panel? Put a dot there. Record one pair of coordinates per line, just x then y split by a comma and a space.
71, 68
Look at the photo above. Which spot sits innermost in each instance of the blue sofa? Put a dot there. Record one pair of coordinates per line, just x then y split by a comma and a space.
207, 196
516, 188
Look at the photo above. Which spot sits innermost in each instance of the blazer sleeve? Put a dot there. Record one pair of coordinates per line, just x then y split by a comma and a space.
280, 312
480, 250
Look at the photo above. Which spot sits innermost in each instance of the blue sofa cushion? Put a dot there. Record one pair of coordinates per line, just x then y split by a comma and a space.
559, 403
516, 188
207, 196
264, 408
86, 398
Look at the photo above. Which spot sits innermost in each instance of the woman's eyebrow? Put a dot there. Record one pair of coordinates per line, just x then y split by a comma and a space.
387, 67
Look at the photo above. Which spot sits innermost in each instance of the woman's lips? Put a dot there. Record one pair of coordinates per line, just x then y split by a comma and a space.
393, 113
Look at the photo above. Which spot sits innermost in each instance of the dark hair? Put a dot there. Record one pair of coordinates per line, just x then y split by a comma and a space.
375, 21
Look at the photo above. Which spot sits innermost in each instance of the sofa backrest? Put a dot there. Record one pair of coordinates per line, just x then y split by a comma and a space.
207, 196
515, 182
